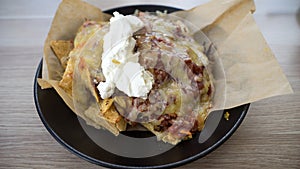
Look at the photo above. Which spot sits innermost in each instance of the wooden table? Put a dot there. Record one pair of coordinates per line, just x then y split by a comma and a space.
268, 138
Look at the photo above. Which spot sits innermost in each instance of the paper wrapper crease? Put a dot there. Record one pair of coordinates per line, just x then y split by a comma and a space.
251, 69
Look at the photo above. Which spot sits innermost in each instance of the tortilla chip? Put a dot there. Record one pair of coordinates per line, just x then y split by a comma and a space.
99, 120
61, 49
111, 115
66, 81
88, 35
106, 104
121, 125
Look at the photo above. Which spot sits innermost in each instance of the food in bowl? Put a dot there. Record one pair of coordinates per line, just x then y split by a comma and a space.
144, 69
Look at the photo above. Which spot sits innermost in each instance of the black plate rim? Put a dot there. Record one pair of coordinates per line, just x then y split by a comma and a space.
105, 164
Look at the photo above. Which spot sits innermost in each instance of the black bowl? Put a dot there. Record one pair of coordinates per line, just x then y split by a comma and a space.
70, 131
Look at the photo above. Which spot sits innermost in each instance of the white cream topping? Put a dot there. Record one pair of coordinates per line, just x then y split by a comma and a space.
119, 62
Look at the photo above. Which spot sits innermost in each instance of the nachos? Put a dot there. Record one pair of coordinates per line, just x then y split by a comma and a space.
176, 105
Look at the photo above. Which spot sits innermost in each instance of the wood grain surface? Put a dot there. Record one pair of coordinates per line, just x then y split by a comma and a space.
269, 137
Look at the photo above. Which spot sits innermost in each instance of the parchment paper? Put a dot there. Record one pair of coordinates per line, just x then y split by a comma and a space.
69, 16
251, 69
252, 72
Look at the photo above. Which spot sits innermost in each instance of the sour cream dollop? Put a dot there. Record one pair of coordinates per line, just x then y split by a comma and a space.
119, 62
